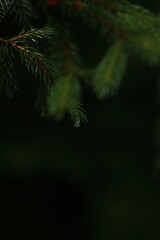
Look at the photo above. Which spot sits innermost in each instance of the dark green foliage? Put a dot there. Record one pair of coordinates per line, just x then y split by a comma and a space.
23, 12
7, 84
4, 8
127, 29
65, 98
109, 72
39, 64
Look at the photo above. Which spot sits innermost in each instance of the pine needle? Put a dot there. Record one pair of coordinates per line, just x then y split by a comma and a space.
65, 97
108, 74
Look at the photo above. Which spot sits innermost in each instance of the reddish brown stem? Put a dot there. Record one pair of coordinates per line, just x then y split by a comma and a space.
24, 35
68, 58
42, 65
108, 24
98, 17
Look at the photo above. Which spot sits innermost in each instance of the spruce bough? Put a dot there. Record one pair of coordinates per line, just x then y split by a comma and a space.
128, 29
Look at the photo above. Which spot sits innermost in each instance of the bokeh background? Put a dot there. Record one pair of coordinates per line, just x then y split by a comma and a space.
99, 181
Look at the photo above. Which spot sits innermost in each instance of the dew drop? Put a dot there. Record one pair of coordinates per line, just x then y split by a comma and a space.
77, 122
34, 40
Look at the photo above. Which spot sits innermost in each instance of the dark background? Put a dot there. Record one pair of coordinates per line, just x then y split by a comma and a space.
99, 181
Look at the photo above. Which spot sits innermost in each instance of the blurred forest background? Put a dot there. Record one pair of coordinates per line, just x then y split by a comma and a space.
99, 181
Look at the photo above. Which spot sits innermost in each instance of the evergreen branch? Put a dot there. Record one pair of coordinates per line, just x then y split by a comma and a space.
134, 27
71, 56
122, 17
137, 17
64, 97
7, 82
4, 8
94, 15
65, 51
65, 94
124, 13
37, 62
143, 26
23, 11
109, 72
27, 52
134, 18
108, 24
34, 34
146, 46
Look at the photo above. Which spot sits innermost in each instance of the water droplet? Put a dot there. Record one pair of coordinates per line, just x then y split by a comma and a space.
77, 122
34, 40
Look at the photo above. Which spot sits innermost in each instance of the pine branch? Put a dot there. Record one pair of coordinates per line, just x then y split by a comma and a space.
108, 74
23, 12
137, 18
4, 8
64, 51
128, 21
93, 16
7, 83
65, 95
145, 46
134, 27
64, 98
39, 64
33, 35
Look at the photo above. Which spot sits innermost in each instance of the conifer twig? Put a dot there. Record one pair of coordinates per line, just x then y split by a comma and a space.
41, 64
81, 6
